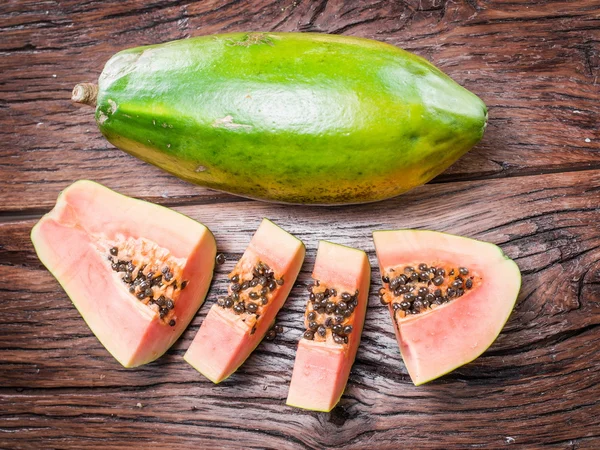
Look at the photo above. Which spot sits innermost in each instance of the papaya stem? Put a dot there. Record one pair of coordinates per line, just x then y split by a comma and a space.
85, 93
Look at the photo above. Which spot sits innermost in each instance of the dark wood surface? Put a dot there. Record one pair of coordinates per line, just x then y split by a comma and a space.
532, 186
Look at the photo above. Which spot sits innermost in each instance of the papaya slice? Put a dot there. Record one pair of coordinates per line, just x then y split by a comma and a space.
334, 318
137, 272
449, 297
259, 285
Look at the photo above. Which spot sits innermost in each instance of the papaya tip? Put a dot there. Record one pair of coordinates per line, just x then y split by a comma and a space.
85, 94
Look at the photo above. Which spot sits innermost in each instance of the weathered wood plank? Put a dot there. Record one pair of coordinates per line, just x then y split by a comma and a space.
537, 385
536, 68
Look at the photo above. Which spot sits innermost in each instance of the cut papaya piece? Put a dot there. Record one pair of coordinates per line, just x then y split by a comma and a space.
137, 272
334, 318
259, 285
449, 297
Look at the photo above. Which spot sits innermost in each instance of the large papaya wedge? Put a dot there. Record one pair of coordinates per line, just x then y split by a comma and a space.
287, 117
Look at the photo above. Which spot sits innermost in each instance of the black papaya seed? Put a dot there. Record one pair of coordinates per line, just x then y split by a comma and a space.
271, 335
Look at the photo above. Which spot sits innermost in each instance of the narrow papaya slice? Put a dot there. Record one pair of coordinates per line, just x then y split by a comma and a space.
137, 272
259, 285
334, 318
449, 297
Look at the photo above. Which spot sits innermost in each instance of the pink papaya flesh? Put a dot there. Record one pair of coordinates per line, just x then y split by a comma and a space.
334, 318
259, 285
449, 297
137, 272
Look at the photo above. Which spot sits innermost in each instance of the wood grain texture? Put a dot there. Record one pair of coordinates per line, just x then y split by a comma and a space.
532, 186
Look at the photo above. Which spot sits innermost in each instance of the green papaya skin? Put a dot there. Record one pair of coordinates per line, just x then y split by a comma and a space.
288, 117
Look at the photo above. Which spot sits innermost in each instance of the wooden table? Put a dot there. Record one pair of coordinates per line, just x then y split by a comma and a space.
532, 186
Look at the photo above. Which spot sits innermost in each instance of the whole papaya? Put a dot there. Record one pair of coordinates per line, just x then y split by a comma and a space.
287, 117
